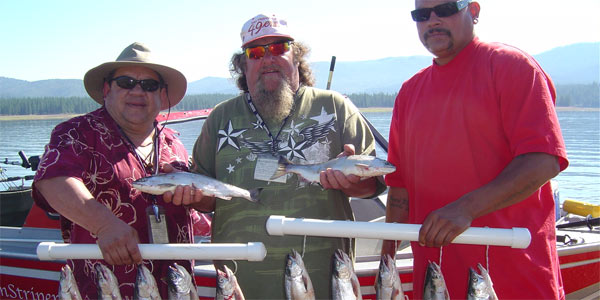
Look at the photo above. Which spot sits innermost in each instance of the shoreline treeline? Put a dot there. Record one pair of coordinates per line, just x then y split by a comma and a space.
571, 95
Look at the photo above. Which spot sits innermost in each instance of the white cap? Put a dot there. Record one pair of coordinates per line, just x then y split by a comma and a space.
262, 26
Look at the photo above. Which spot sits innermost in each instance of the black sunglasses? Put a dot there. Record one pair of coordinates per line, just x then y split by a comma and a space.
443, 10
128, 83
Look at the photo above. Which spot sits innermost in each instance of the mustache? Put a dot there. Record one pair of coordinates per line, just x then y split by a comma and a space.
436, 30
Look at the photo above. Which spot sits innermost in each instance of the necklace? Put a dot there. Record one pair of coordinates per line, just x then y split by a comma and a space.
274, 139
146, 154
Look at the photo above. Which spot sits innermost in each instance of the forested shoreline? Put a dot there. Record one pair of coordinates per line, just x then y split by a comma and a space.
572, 95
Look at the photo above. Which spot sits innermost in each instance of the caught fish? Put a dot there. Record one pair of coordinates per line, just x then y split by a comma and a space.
297, 282
68, 289
359, 165
435, 286
480, 285
180, 284
158, 184
344, 283
227, 286
388, 285
106, 281
145, 285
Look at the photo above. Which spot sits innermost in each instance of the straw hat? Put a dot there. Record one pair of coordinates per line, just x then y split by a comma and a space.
136, 54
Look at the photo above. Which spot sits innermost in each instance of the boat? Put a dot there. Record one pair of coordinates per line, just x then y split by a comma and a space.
15, 196
24, 276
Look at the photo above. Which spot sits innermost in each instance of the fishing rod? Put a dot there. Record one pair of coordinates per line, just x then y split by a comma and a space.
31, 162
378, 137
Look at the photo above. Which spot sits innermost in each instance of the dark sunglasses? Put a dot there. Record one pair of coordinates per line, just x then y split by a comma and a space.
275, 49
442, 10
128, 83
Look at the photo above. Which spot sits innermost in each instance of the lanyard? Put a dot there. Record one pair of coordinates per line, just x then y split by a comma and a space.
156, 150
262, 124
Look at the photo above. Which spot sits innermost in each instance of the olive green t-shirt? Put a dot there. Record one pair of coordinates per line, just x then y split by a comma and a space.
234, 148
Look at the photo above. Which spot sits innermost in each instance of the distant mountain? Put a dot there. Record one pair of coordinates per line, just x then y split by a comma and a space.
573, 64
370, 76
15, 88
212, 85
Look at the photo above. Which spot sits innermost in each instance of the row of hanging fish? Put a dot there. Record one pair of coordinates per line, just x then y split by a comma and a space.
180, 284
480, 284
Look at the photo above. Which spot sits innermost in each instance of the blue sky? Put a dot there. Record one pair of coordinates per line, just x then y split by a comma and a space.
65, 38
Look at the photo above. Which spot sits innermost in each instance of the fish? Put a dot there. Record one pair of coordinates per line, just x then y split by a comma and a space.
145, 285
480, 285
435, 286
161, 183
106, 281
344, 282
388, 285
180, 284
227, 286
359, 165
67, 287
297, 282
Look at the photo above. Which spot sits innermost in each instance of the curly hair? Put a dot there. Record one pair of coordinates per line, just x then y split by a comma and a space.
237, 67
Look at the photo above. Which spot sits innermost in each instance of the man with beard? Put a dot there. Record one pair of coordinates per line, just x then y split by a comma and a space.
475, 139
279, 114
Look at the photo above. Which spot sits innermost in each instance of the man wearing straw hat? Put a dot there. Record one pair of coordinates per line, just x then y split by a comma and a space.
279, 114
90, 162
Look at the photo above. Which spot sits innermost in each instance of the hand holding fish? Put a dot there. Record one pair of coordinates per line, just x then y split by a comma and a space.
188, 188
335, 179
187, 195
350, 184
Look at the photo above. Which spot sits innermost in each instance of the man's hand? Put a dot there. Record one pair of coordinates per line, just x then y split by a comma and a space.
188, 195
118, 243
443, 225
333, 179
351, 185
523, 176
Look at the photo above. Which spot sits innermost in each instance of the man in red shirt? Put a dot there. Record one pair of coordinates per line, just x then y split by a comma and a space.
475, 139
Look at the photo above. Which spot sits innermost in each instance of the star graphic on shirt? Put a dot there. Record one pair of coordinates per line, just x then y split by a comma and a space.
323, 117
230, 168
294, 129
228, 136
257, 124
293, 149
238, 160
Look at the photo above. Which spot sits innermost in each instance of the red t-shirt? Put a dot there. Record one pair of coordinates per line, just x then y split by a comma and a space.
91, 148
454, 129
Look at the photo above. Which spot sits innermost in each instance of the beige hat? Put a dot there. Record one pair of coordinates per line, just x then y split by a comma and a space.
264, 25
136, 54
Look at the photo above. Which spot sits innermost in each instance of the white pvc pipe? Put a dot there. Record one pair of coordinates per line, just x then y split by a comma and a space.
515, 237
223, 251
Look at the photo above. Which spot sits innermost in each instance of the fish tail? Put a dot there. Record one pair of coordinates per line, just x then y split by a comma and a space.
281, 168
254, 193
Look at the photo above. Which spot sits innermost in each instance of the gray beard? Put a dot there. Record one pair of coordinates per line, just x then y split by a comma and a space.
274, 106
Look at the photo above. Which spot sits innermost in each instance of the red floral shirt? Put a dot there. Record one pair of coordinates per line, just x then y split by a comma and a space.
92, 149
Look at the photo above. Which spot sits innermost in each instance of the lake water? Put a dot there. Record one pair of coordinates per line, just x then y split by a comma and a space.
581, 131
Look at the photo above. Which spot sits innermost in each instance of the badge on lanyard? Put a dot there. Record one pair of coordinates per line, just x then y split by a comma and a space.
266, 165
157, 224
